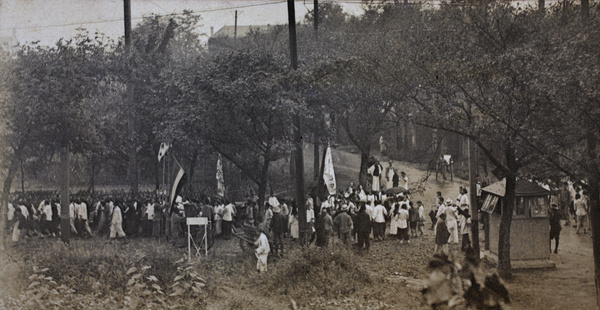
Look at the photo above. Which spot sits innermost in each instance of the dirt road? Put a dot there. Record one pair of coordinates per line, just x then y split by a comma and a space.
569, 286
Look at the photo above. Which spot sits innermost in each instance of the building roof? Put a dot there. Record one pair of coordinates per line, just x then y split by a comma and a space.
242, 31
522, 188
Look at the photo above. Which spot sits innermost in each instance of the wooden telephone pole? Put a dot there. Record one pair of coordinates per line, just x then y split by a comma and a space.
299, 155
133, 175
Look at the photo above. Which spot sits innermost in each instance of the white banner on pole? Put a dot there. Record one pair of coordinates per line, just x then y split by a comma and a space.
328, 173
220, 178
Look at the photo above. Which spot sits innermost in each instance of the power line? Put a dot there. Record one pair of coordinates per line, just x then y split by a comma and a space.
142, 17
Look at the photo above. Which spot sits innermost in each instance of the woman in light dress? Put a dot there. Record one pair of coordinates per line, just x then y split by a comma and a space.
293, 223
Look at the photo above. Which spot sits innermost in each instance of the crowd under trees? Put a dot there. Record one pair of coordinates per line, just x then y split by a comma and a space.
519, 82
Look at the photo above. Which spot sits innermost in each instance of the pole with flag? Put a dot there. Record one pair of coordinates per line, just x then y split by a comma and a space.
220, 178
164, 147
162, 151
178, 181
328, 173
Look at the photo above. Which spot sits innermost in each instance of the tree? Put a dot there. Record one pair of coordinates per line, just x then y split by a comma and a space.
242, 104
43, 101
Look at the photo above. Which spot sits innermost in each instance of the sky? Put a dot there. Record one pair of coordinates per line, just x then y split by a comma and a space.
47, 21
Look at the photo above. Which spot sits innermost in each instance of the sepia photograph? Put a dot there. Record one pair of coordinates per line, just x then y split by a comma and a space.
300, 154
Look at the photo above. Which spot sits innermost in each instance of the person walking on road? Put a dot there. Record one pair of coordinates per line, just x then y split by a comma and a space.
555, 216
581, 212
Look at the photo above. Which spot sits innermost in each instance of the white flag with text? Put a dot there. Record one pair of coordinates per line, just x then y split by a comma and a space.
328, 173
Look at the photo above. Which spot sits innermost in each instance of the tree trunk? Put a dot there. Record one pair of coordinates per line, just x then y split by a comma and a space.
473, 197
262, 187
316, 163
157, 174
585, 9
12, 172
92, 173
22, 177
65, 216
364, 165
132, 152
192, 170
508, 203
594, 207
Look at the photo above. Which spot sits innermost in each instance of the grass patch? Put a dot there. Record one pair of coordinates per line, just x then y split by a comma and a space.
97, 274
318, 273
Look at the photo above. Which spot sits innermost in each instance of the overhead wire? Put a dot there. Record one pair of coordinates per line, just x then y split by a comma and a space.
195, 13
151, 15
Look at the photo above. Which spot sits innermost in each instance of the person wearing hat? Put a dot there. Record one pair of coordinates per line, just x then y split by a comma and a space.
324, 227
262, 250
555, 227
278, 228
451, 211
343, 225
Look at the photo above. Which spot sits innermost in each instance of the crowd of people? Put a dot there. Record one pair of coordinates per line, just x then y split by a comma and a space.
351, 217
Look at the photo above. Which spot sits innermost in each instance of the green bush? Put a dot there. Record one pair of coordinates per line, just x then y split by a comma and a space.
96, 274
319, 272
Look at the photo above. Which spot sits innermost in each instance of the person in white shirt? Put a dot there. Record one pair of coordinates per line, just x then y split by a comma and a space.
379, 214
262, 250
72, 217
148, 218
116, 223
273, 201
451, 212
82, 217
310, 218
349, 191
403, 180
402, 223
228, 214
390, 176
371, 199
375, 171
393, 212
463, 204
421, 223
362, 196
47, 218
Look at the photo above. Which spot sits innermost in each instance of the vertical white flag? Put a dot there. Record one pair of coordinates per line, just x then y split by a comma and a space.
328, 174
220, 179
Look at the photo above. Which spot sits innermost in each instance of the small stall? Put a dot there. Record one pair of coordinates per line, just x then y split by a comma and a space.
530, 226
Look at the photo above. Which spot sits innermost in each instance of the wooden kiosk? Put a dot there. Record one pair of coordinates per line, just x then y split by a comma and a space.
530, 226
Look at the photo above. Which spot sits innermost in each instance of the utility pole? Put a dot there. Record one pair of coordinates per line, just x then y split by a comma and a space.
473, 197
316, 10
300, 202
235, 26
133, 174
316, 135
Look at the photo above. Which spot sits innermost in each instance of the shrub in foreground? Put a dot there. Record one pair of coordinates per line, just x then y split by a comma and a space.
319, 272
